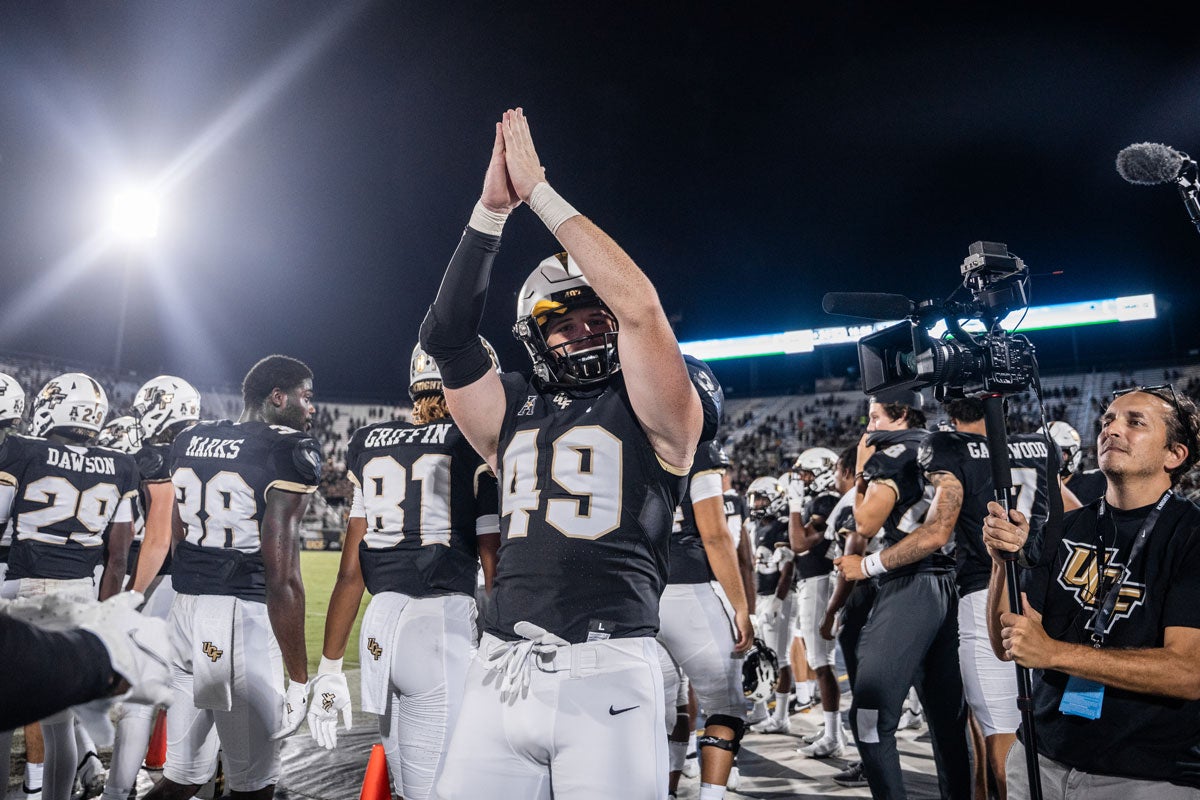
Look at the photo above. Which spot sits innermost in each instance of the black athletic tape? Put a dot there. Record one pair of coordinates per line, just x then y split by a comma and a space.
722, 744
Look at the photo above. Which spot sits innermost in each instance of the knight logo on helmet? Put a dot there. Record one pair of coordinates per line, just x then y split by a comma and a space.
760, 671
163, 402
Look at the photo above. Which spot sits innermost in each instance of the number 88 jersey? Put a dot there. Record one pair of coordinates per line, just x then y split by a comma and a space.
222, 472
586, 510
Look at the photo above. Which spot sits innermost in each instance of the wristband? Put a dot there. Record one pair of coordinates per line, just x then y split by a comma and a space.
550, 207
485, 221
328, 665
873, 565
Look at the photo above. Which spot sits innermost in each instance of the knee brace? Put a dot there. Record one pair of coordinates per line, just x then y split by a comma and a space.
737, 725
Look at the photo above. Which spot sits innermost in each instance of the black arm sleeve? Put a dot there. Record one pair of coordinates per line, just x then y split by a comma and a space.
45, 671
450, 332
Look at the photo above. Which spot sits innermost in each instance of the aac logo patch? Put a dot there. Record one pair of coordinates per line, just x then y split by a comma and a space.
212, 652
327, 700
1079, 576
373, 648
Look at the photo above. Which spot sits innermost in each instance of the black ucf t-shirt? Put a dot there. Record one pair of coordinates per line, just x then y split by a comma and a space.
1137, 735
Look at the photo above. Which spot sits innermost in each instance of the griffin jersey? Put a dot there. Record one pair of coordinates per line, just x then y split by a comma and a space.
966, 457
816, 561
586, 510
65, 498
770, 534
222, 472
689, 562
425, 495
894, 463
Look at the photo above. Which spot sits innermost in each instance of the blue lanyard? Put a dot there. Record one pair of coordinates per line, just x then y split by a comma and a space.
1100, 620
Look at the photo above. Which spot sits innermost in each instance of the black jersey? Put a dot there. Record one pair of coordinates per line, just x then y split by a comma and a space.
688, 559
815, 561
586, 509
1089, 486
966, 457
1137, 735
425, 495
152, 468
66, 497
770, 534
895, 463
222, 472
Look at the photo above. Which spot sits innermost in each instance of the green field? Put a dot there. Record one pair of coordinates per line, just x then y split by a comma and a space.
320, 572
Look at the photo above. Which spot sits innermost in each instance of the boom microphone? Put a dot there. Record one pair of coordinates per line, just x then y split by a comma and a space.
868, 305
1147, 164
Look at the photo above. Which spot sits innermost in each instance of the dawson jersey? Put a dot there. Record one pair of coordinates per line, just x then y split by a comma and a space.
65, 498
425, 495
770, 533
585, 515
689, 561
966, 457
222, 472
894, 463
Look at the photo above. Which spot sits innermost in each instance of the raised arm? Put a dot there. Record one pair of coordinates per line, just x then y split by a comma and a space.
660, 391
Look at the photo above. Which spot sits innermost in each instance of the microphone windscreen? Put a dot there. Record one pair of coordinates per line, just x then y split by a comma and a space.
1148, 163
868, 305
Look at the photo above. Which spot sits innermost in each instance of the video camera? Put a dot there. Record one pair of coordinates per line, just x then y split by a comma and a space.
907, 356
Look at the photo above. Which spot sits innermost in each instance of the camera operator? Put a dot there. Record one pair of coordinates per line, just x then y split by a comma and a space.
912, 634
1111, 627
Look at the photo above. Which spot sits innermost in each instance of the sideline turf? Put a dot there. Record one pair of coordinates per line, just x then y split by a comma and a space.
319, 569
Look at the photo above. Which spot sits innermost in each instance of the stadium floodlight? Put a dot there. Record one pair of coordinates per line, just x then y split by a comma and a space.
135, 213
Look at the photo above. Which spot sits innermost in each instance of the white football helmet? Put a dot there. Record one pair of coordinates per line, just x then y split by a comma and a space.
822, 463
766, 496
424, 376
12, 399
162, 402
72, 400
556, 287
1067, 438
121, 433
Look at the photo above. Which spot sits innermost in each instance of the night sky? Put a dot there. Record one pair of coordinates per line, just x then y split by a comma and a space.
749, 159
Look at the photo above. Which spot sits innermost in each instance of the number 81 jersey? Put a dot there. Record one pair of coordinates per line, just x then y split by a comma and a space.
222, 472
586, 511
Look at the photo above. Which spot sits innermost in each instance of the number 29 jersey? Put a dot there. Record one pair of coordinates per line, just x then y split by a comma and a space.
426, 495
585, 515
222, 472
66, 496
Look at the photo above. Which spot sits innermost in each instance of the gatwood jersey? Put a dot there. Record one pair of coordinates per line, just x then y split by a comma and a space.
586, 509
222, 472
425, 495
66, 496
966, 457
895, 463
688, 559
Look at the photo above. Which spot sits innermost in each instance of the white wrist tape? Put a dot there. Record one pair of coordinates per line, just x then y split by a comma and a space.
550, 207
873, 565
485, 221
329, 665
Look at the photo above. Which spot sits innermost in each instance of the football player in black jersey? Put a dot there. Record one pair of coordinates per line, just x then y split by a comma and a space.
566, 694
238, 617
912, 635
12, 411
704, 616
162, 407
960, 458
1087, 485
72, 501
424, 512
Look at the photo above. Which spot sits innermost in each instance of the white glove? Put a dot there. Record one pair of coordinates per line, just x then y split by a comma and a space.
768, 609
330, 695
295, 704
783, 555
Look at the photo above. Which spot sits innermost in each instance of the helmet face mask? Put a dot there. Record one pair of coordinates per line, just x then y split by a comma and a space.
760, 671
765, 497
1068, 440
163, 402
72, 400
821, 463
556, 288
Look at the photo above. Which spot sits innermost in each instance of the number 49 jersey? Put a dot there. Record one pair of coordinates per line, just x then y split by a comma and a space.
426, 495
222, 472
586, 510
65, 498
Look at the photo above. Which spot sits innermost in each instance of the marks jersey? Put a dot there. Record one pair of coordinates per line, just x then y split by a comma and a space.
894, 463
585, 515
425, 495
966, 457
222, 472
770, 534
688, 560
65, 498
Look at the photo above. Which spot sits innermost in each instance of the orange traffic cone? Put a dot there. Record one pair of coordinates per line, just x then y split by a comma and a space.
156, 753
375, 784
